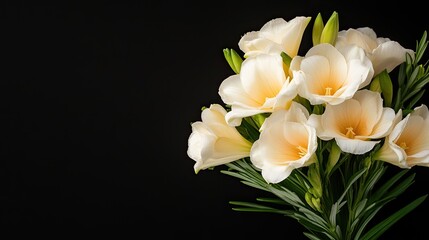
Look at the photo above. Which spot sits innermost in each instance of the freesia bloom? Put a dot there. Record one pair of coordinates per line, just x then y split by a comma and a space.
357, 123
383, 52
261, 87
329, 75
285, 143
213, 142
274, 37
408, 144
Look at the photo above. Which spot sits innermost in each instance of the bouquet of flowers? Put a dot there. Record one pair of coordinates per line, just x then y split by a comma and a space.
318, 132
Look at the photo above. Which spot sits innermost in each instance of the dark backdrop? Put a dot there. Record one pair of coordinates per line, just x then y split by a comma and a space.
97, 100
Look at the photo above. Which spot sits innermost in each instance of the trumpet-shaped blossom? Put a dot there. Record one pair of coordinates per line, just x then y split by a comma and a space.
213, 142
274, 37
384, 53
357, 124
329, 75
408, 143
286, 142
261, 87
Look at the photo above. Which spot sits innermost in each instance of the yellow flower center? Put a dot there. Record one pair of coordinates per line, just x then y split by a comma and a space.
403, 145
302, 151
328, 91
350, 133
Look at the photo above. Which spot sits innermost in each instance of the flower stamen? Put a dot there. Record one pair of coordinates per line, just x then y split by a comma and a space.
403, 145
350, 133
328, 91
302, 151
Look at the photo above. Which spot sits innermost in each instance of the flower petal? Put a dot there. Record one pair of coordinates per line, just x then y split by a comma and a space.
355, 146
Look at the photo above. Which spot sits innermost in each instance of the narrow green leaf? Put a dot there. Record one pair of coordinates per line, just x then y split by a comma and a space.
257, 186
353, 179
413, 77
311, 236
365, 223
386, 186
416, 99
271, 200
421, 47
375, 176
401, 74
383, 226
361, 205
249, 204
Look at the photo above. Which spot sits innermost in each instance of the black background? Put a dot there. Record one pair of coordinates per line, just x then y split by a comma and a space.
96, 103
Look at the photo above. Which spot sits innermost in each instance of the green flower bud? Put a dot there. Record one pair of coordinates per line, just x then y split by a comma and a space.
315, 181
330, 31
318, 26
316, 204
234, 60
334, 156
259, 119
308, 198
386, 87
375, 85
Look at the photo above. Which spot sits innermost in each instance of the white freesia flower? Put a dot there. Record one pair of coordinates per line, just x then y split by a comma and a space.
274, 37
383, 52
329, 75
408, 144
357, 123
285, 143
261, 87
213, 142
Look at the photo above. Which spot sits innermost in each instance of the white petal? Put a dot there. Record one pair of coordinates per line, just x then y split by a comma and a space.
388, 55
372, 107
232, 92
337, 118
195, 144
276, 174
422, 111
275, 36
237, 113
384, 125
262, 76
355, 146
392, 154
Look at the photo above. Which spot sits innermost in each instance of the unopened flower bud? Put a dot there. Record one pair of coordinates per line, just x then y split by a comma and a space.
334, 156
383, 84
315, 181
316, 204
375, 85
259, 119
308, 198
317, 29
234, 60
330, 31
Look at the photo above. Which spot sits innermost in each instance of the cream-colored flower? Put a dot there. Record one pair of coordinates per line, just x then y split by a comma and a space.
274, 37
213, 142
408, 143
329, 75
285, 143
357, 124
383, 52
261, 87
